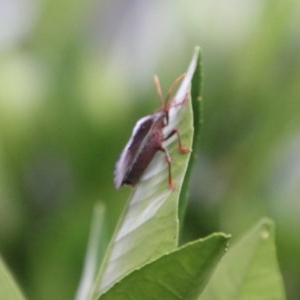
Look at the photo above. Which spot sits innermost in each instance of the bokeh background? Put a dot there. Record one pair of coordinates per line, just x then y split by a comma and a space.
75, 75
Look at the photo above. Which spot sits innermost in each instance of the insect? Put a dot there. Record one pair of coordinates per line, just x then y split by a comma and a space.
146, 140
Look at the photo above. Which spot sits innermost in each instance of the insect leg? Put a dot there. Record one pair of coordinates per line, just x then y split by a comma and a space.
168, 159
183, 101
180, 147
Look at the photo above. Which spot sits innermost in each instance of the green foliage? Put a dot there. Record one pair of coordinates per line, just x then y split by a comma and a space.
75, 78
249, 270
181, 274
9, 290
149, 226
143, 252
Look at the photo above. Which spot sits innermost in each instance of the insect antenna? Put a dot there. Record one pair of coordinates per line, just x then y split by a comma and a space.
159, 91
164, 103
171, 89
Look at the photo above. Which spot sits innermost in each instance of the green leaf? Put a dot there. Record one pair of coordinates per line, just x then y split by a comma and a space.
249, 270
149, 226
8, 287
196, 91
94, 252
181, 274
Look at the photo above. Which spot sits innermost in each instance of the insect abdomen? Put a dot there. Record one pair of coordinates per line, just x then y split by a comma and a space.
141, 163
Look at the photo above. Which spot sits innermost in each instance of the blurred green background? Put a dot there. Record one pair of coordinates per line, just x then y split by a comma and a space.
74, 78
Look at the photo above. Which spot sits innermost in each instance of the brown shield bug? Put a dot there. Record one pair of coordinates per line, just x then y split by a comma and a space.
146, 140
